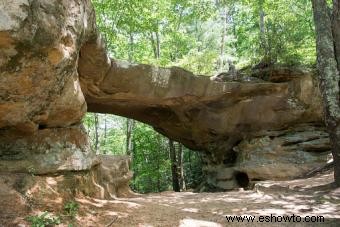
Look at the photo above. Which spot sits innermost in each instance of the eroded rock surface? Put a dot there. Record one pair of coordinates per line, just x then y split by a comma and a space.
279, 155
40, 42
41, 102
46, 151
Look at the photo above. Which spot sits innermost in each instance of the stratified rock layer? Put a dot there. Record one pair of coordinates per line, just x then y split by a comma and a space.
46, 151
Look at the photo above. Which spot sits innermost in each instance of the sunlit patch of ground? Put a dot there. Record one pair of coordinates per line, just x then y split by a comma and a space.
304, 197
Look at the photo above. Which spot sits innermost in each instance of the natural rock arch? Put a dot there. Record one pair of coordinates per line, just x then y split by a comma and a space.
53, 60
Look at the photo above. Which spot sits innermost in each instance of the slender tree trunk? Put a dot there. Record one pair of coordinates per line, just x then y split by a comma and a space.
130, 122
158, 42
336, 30
329, 77
175, 180
105, 129
158, 165
263, 42
96, 130
222, 44
180, 165
129, 136
131, 43
153, 44
189, 159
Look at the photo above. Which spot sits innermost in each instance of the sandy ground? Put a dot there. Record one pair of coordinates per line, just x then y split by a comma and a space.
305, 197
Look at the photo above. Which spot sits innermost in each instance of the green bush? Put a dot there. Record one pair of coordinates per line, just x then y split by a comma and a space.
43, 220
71, 208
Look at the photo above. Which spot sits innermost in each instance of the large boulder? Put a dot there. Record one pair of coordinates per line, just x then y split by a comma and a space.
113, 176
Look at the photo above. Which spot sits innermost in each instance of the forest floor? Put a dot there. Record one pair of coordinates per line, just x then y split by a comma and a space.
314, 196
304, 197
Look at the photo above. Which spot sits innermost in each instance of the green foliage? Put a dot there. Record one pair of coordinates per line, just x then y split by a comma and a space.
151, 163
111, 132
43, 220
192, 168
190, 32
71, 209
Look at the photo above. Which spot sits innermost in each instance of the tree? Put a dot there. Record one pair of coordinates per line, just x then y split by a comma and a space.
129, 136
180, 161
174, 168
96, 126
328, 56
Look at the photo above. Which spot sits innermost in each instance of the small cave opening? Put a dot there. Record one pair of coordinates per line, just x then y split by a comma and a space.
242, 179
42, 126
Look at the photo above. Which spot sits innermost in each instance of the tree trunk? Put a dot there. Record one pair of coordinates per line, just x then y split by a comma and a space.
263, 42
96, 125
105, 129
180, 165
336, 30
175, 181
153, 44
130, 122
190, 165
158, 42
329, 78
129, 136
131, 41
222, 44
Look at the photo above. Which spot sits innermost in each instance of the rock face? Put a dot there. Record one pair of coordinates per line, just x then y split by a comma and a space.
52, 59
113, 176
284, 154
43, 149
40, 42
46, 151
41, 102
279, 155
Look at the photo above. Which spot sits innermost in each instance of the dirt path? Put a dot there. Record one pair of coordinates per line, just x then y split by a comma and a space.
306, 197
